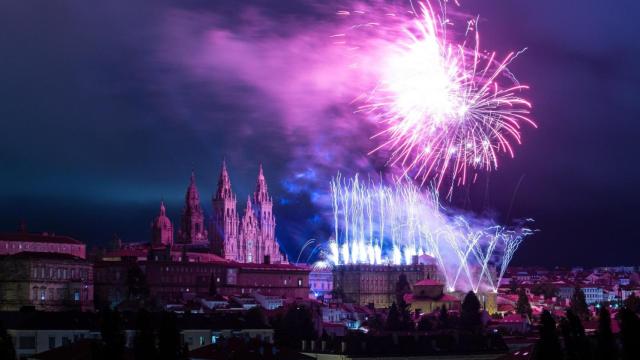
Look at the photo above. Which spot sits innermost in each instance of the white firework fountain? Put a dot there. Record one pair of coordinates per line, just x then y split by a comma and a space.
377, 225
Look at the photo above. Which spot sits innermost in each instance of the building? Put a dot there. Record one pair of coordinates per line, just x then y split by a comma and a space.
13, 243
320, 282
251, 238
428, 296
284, 280
192, 225
46, 281
376, 284
36, 332
174, 281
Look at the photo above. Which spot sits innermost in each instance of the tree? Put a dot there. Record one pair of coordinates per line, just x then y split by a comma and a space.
605, 342
169, 337
514, 285
144, 345
7, 351
523, 307
296, 325
375, 323
112, 334
443, 318
576, 343
403, 287
470, 318
632, 302
255, 318
579, 303
548, 346
394, 321
425, 324
629, 334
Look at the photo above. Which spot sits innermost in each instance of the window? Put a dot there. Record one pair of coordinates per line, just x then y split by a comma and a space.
52, 342
43, 294
214, 339
76, 295
201, 340
65, 341
299, 282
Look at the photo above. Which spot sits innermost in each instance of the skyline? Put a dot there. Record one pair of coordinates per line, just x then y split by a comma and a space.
90, 161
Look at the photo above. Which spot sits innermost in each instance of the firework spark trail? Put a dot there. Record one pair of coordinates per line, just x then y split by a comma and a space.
377, 224
448, 109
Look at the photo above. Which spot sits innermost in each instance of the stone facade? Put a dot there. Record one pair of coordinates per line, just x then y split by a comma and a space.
376, 284
175, 281
250, 239
192, 229
162, 229
46, 281
13, 243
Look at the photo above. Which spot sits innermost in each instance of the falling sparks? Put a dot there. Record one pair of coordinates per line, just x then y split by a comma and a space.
376, 224
447, 109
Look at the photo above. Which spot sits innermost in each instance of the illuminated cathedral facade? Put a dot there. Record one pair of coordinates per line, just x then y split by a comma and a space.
246, 238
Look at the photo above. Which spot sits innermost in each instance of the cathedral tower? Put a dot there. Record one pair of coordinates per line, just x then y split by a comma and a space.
224, 225
268, 248
161, 229
192, 229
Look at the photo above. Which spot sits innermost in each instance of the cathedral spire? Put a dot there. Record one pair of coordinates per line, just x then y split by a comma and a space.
192, 230
248, 209
163, 209
224, 183
262, 194
192, 197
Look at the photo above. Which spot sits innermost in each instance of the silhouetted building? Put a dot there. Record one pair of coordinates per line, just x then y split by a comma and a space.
46, 281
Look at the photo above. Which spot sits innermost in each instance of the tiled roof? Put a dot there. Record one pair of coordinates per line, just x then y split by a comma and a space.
41, 238
288, 267
428, 282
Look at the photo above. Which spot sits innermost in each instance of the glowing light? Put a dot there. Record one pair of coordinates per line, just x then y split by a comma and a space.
448, 109
377, 224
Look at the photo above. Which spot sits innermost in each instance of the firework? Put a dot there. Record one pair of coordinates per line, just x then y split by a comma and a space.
447, 109
376, 224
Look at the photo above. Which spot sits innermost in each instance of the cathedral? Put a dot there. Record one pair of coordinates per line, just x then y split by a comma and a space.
249, 238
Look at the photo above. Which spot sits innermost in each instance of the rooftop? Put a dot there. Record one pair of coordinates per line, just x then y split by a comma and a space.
39, 237
42, 255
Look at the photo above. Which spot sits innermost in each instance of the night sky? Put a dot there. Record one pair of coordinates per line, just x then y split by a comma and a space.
107, 106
